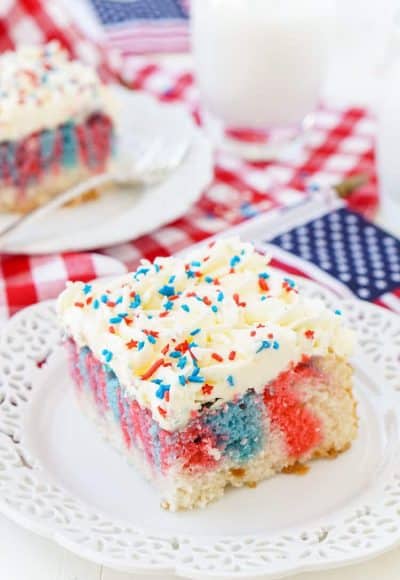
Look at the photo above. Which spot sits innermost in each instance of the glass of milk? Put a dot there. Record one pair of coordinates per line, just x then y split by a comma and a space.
259, 66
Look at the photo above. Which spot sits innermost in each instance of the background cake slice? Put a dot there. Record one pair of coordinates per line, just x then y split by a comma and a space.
56, 125
210, 371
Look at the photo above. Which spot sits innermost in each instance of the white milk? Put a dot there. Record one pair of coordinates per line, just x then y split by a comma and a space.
260, 63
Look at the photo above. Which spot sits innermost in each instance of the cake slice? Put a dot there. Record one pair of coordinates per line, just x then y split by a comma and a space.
56, 125
210, 371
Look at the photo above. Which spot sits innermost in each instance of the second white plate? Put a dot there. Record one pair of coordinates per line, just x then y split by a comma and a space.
125, 214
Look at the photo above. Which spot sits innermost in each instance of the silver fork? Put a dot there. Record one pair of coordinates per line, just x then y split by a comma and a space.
143, 161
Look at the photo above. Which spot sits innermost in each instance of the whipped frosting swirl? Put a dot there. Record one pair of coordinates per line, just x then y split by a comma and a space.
181, 333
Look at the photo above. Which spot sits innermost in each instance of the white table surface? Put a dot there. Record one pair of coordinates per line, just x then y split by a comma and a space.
25, 556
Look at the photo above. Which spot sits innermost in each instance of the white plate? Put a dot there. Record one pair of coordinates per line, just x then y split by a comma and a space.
124, 214
59, 479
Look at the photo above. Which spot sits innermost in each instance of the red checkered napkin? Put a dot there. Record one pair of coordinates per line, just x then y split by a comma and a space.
26, 280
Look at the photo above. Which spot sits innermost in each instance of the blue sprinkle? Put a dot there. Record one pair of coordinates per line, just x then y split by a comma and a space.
338, 312
214, 308
195, 379
140, 345
162, 389
182, 380
172, 280
193, 344
156, 381
235, 260
87, 289
196, 331
149, 316
107, 355
156, 267
185, 307
104, 298
196, 264
220, 296
182, 362
190, 273
115, 320
175, 354
230, 380
196, 371
135, 302
96, 304
264, 275
263, 298
208, 279
242, 252
119, 300
275, 345
151, 339
264, 345
169, 305
291, 282
167, 291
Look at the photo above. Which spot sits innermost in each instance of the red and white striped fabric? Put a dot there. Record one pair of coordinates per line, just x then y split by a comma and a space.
340, 145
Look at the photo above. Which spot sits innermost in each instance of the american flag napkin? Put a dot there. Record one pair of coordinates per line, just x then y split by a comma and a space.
143, 26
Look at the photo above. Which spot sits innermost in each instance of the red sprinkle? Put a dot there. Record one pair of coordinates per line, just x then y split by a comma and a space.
132, 294
150, 372
207, 389
132, 344
165, 349
207, 301
128, 321
79, 305
263, 285
111, 329
163, 314
217, 357
253, 333
182, 346
206, 258
89, 300
270, 335
190, 294
216, 282
309, 334
232, 355
162, 411
151, 333
166, 396
237, 300
110, 304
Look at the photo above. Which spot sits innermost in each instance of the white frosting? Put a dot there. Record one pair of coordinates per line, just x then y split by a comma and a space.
41, 89
239, 302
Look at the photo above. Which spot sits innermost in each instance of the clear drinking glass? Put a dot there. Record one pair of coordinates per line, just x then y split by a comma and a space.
259, 65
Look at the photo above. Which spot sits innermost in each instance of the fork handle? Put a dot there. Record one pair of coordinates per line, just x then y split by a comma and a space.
55, 202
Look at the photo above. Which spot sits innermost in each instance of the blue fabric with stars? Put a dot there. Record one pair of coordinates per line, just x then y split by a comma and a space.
350, 249
113, 12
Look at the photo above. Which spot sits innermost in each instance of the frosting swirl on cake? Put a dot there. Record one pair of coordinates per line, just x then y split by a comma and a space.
181, 333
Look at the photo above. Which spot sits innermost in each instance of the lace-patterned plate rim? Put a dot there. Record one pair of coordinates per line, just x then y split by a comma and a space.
30, 495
